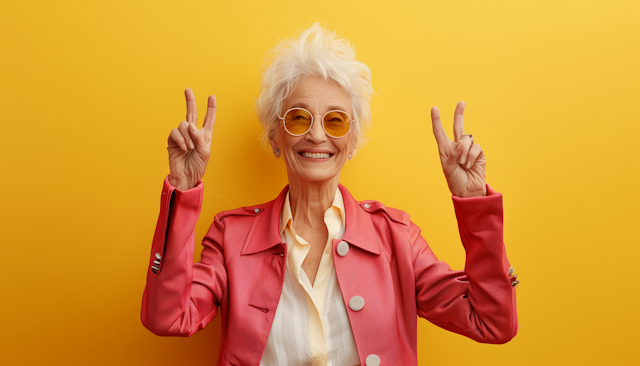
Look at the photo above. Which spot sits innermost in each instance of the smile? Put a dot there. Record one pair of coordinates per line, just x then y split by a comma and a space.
311, 155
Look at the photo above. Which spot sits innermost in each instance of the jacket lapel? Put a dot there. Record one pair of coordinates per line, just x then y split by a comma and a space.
359, 229
263, 233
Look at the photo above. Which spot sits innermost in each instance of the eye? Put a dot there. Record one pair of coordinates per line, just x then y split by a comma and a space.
299, 115
335, 117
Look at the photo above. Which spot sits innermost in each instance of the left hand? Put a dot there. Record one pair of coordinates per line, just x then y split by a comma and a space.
462, 160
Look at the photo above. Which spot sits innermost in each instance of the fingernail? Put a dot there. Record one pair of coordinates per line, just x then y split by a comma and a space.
184, 147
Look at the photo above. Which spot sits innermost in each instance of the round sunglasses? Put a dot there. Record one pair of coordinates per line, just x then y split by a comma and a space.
298, 121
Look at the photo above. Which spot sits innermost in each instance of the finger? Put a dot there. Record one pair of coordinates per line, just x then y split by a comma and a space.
210, 117
474, 153
198, 137
463, 146
176, 137
458, 125
438, 131
192, 112
184, 130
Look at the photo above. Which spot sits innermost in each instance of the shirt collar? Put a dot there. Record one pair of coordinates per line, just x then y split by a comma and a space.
286, 216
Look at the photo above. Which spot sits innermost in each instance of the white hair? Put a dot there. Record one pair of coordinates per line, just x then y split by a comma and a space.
316, 52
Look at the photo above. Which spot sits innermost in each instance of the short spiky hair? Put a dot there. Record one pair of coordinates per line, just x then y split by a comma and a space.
315, 52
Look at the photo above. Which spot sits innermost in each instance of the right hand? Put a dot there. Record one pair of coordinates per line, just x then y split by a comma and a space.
189, 147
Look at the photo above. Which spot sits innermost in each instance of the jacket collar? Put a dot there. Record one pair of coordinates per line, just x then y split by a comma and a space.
264, 233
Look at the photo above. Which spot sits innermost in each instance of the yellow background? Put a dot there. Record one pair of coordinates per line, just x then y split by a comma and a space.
89, 92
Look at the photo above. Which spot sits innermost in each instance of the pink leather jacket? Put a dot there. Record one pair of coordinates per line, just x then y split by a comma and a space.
388, 264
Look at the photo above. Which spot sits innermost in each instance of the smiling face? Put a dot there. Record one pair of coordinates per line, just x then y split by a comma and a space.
315, 156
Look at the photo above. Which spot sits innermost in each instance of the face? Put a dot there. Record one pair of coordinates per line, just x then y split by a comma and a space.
318, 97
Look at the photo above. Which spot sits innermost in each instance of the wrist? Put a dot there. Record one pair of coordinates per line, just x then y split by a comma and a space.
482, 193
181, 183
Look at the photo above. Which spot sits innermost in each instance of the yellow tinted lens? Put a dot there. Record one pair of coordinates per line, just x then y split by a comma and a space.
297, 121
337, 123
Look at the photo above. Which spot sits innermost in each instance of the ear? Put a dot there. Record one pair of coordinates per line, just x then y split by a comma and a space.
353, 149
275, 147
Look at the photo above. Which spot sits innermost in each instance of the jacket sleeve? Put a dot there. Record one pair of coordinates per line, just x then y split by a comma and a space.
181, 297
479, 302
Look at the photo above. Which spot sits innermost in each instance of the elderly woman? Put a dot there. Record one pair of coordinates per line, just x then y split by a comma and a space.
315, 277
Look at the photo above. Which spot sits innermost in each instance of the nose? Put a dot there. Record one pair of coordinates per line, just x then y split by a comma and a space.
316, 133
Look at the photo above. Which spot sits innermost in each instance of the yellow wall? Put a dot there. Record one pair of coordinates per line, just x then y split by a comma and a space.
90, 90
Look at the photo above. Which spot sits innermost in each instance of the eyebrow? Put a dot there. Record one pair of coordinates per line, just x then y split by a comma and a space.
306, 106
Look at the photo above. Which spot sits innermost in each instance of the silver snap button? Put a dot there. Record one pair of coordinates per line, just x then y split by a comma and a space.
343, 248
356, 303
158, 256
154, 267
366, 205
256, 210
372, 360
511, 270
156, 262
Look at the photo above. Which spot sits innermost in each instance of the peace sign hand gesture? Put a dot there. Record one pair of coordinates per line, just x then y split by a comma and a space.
462, 160
189, 147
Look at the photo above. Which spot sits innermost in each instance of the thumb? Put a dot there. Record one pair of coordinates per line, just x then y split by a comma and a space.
197, 136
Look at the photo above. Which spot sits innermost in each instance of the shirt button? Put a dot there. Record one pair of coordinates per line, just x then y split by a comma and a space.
372, 360
318, 358
343, 248
256, 210
328, 250
356, 303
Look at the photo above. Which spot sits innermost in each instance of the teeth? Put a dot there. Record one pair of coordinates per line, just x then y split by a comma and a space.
315, 155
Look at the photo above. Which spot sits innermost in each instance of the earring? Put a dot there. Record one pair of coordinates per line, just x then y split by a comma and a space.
276, 152
350, 156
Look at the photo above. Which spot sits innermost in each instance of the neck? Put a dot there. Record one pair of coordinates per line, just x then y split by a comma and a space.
309, 200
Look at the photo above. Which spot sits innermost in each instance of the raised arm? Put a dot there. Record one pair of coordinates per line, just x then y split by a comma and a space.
181, 297
479, 302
